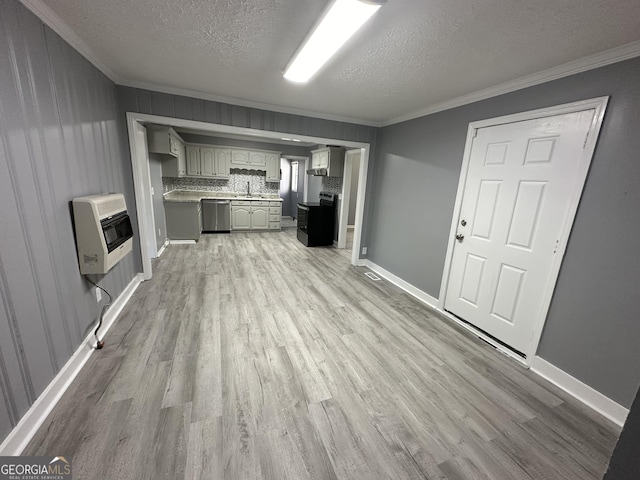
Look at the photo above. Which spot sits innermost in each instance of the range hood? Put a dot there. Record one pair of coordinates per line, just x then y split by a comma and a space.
318, 172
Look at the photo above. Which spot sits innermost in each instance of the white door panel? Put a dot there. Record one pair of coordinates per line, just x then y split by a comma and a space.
516, 197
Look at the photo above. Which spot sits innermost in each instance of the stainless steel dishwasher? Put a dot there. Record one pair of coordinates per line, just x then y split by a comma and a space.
216, 215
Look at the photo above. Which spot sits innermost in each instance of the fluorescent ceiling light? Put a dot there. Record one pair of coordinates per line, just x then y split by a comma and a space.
342, 19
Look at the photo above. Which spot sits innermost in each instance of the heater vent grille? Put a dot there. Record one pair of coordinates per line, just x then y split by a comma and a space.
373, 276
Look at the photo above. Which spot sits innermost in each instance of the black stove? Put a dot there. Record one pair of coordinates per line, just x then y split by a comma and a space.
316, 220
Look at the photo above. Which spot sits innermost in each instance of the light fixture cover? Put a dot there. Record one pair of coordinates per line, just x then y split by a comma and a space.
340, 21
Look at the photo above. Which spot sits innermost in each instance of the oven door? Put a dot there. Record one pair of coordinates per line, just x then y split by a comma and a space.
303, 217
116, 230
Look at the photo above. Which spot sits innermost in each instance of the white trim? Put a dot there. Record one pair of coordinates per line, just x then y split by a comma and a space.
185, 92
141, 176
403, 284
182, 242
144, 202
360, 202
614, 55
335, 244
162, 248
53, 21
580, 391
599, 106
345, 196
29, 424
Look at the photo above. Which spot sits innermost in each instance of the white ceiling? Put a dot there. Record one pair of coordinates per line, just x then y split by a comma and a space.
413, 55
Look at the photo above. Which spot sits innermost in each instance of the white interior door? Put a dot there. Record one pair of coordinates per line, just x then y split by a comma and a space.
517, 197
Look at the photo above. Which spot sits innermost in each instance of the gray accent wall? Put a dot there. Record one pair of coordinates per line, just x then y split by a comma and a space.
60, 137
592, 330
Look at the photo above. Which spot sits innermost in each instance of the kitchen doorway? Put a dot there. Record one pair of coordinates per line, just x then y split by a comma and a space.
141, 175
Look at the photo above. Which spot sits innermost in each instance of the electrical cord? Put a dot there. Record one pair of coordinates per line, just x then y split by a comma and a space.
99, 343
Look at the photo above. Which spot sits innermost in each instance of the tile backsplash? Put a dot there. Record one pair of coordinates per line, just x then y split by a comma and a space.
237, 182
332, 184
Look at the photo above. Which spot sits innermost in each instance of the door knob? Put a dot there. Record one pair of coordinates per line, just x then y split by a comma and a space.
460, 237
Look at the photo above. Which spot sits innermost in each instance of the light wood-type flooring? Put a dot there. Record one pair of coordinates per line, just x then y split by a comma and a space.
250, 356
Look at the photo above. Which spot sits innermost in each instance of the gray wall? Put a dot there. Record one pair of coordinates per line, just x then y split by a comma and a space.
592, 330
60, 137
155, 170
625, 461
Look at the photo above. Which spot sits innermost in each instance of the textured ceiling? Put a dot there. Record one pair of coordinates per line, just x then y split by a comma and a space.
411, 55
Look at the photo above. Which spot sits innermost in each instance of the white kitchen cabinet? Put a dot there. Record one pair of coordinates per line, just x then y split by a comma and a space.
193, 161
222, 160
240, 158
259, 218
329, 158
320, 159
207, 162
273, 167
175, 166
257, 159
255, 215
240, 217
164, 140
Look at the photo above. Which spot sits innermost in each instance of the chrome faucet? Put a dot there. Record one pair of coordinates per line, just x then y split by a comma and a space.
248, 189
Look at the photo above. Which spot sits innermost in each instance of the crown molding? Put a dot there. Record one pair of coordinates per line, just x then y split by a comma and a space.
53, 21
614, 55
243, 103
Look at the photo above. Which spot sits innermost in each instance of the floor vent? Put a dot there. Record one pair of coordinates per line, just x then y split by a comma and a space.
372, 276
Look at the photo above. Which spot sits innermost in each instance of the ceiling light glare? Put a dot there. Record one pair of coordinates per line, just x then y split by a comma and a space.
340, 22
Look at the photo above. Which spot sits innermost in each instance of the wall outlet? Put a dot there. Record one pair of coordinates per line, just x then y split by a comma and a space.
98, 294
364, 250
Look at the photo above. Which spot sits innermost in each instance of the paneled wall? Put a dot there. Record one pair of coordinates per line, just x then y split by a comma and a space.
60, 137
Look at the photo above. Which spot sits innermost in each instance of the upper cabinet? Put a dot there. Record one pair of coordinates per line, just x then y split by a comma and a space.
273, 167
166, 142
258, 159
239, 158
163, 140
330, 159
210, 162
193, 161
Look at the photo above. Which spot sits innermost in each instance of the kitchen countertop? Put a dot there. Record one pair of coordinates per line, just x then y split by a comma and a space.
194, 196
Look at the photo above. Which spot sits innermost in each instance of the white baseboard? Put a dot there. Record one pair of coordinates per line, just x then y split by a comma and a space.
164, 245
581, 391
29, 424
404, 285
182, 242
335, 244
574, 387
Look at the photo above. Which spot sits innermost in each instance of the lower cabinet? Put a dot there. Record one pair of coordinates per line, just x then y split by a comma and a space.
184, 220
254, 215
240, 217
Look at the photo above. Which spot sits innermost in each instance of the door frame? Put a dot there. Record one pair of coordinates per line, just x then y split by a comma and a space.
345, 197
142, 177
598, 104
